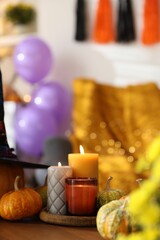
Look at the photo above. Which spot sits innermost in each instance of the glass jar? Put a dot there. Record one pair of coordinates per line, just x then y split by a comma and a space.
81, 196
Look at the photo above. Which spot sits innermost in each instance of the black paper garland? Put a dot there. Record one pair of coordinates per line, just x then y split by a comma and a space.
80, 31
125, 22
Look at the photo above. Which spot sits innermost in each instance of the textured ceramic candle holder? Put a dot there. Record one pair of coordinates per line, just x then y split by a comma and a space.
81, 196
56, 197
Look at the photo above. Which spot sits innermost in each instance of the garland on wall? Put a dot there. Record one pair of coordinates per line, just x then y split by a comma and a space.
80, 33
125, 23
151, 23
103, 31
106, 29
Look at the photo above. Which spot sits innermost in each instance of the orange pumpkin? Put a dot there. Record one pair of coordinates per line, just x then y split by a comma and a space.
8, 173
20, 203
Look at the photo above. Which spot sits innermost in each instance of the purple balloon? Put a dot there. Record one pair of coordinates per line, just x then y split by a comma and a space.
55, 98
32, 59
32, 127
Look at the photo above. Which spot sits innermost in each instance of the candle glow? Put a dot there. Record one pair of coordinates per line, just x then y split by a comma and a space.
77, 161
81, 149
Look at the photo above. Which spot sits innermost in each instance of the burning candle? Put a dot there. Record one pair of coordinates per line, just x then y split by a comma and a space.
56, 197
81, 195
84, 164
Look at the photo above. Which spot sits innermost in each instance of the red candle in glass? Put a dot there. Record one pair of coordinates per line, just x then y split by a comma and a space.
81, 196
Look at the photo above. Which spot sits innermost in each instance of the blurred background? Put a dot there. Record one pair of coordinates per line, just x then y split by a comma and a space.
55, 23
59, 63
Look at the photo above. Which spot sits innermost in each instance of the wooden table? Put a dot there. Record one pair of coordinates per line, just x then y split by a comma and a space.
38, 230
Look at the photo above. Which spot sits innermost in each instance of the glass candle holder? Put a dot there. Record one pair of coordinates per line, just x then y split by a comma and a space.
81, 196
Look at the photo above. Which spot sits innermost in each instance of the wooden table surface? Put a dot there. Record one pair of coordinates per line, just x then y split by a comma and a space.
38, 230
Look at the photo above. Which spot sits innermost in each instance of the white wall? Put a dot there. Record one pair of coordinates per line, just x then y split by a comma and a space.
118, 64
109, 63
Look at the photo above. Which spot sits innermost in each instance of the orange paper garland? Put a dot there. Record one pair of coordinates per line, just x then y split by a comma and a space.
150, 32
103, 31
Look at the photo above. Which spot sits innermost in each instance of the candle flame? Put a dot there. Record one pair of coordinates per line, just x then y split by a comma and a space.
81, 149
59, 164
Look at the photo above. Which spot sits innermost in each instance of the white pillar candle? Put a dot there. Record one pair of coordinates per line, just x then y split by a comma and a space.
56, 198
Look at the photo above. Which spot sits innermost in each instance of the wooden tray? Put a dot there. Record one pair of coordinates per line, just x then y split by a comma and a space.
65, 220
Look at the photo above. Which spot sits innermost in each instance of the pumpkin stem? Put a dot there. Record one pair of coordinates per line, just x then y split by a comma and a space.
108, 188
139, 180
16, 188
124, 203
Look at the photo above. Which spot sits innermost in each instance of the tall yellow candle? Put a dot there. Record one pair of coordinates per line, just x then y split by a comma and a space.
84, 164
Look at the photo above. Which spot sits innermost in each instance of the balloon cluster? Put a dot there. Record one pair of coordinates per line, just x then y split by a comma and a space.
48, 113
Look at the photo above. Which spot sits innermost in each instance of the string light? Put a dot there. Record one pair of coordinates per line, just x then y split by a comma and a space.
27, 98
103, 145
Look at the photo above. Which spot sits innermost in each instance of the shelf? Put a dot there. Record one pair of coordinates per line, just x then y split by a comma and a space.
12, 40
137, 53
130, 63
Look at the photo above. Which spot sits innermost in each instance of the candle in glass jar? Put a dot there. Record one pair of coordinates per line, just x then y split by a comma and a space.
81, 196
56, 197
84, 164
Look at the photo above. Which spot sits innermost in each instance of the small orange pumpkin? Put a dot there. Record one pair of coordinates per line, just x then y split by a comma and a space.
20, 203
